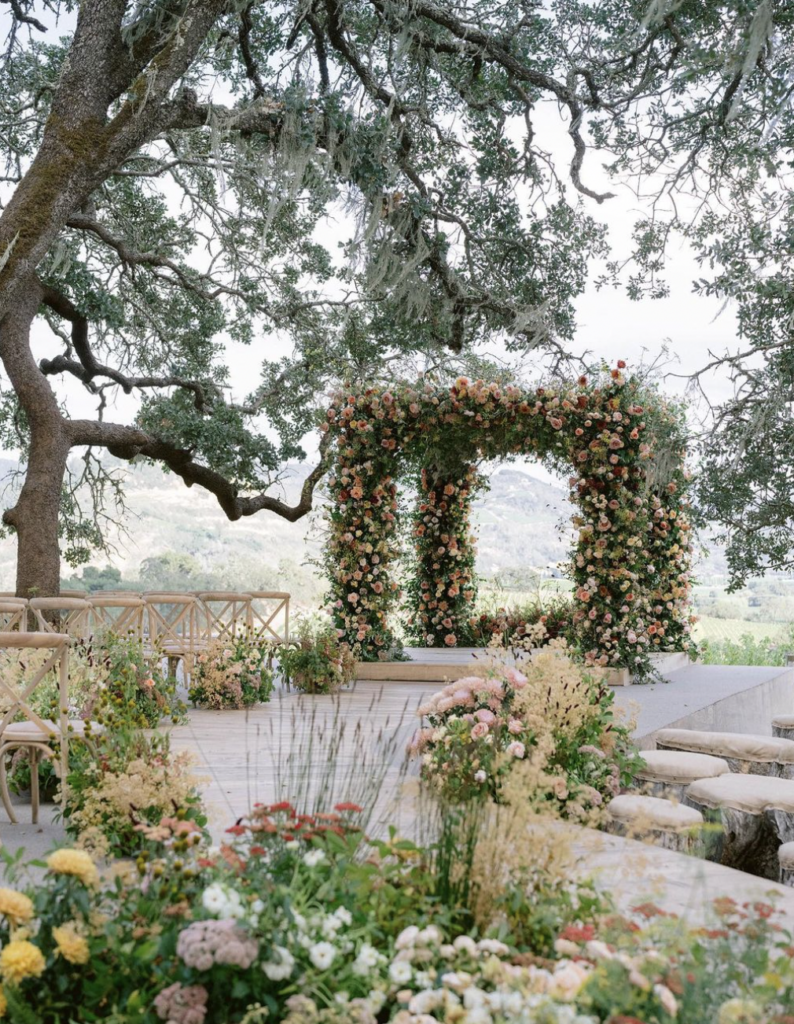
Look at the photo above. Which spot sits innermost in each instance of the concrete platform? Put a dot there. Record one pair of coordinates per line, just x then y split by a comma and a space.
728, 698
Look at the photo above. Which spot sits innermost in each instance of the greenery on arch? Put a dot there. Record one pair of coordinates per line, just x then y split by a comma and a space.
622, 444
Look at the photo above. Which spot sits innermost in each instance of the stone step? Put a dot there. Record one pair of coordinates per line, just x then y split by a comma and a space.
758, 755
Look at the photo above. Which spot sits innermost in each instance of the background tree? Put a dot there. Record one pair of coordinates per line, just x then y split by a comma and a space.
168, 166
171, 168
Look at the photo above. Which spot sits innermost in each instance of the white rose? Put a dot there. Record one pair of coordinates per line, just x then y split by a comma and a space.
322, 955
407, 937
313, 858
400, 972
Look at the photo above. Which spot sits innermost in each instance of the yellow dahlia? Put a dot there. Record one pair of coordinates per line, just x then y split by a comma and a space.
71, 944
15, 906
73, 862
20, 959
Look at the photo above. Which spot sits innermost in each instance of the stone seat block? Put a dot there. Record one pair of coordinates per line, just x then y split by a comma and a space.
744, 752
667, 773
783, 727
785, 857
756, 813
667, 824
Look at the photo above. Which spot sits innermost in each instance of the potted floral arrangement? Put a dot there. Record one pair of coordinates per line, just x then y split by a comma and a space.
232, 673
316, 661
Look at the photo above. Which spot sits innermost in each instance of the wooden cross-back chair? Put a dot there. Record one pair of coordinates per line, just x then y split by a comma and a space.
13, 615
269, 617
70, 615
173, 627
226, 614
42, 737
122, 614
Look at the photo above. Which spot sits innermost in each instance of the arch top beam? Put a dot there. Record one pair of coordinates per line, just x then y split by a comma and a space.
623, 445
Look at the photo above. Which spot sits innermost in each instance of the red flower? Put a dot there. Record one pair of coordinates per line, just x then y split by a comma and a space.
237, 830
348, 807
621, 364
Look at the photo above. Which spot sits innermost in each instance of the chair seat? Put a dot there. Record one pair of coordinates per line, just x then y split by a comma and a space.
680, 766
30, 732
653, 813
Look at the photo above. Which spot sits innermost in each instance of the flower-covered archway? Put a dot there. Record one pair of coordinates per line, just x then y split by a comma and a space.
621, 443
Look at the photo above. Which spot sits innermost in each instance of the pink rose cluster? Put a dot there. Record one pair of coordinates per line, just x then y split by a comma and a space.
205, 943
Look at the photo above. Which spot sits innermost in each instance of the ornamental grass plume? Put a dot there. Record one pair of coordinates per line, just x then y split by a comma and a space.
15, 906
19, 960
118, 798
73, 862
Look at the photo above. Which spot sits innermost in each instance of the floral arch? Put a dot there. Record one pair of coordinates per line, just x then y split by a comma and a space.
621, 443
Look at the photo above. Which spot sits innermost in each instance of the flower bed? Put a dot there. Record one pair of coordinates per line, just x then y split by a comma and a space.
551, 718
233, 673
298, 919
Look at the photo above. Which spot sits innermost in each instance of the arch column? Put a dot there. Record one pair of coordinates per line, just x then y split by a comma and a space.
443, 588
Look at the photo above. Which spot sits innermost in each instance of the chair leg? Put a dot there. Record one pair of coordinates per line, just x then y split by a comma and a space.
34, 785
4, 793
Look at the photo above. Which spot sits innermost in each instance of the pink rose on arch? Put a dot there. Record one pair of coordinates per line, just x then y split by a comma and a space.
516, 749
479, 731
515, 726
484, 715
450, 639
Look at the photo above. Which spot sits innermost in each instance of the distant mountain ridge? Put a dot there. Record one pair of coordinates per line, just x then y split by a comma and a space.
521, 521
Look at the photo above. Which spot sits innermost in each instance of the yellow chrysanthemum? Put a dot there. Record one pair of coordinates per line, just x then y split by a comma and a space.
71, 944
73, 862
20, 959
15, 906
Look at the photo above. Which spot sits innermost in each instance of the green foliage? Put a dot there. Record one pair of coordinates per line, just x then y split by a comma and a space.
747, 650
316, 660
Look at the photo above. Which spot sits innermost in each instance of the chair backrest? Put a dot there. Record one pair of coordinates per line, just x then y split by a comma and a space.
13, 614
269, 618
172, 621
226, 614
16, 693
61, 615
121, 614
16, 701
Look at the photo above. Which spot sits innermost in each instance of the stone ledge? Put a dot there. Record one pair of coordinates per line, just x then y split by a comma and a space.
446, 672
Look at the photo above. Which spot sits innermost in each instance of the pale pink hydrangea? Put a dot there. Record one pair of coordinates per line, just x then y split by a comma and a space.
179, 1004
204, 943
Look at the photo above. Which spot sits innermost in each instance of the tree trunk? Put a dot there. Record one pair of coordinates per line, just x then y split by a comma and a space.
35, 516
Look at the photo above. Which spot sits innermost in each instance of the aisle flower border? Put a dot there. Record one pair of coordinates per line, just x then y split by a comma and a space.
621, 441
